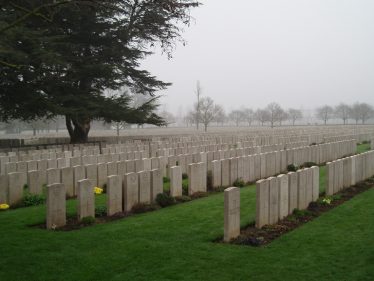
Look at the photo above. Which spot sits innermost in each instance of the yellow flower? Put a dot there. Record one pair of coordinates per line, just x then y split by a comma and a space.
4, 206
98, 190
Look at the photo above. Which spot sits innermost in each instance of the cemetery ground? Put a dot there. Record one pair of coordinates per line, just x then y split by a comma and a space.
176, 243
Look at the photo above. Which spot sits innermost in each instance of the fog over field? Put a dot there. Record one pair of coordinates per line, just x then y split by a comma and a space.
298, 53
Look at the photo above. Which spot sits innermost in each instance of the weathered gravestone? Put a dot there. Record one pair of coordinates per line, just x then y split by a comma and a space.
114, 195
156, 183
262, 203
16, 182
273, 200
85, 199
56, 206
175, 181
4, 189
232, 213
283, 196
144, 187
130, 191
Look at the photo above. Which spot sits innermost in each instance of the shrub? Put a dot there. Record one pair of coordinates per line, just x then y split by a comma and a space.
165, 200
239, 183
100, 211
183, 198
199, 194
185, 187
88, 220
292, 168
184, 176
301, 213
165, 179
33, 199
143, 208
308, 164
209, 180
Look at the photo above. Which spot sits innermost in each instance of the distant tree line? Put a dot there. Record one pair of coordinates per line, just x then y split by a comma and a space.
207, 112
360, 113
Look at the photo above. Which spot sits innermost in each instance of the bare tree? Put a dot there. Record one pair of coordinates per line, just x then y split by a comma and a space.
275, 113
168, 117
294, 115
325, 113
120, 126
197, 106
354, 112
248, 115
220, 117
283, 116
342, 111
365, 112
208, 111
262, 116
237, 116
189, 118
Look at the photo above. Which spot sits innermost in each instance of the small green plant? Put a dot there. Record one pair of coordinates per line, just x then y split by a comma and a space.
184, 176
100, 211
301, 213
165, 200
165, 179
326, 201
336, 197
292, 168
33, 199
88, 220
239, 183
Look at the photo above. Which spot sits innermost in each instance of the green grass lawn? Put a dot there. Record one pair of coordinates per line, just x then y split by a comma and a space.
363, 147
175, 243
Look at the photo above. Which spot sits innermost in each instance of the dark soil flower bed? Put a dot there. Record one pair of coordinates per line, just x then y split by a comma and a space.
72, 222
252, 236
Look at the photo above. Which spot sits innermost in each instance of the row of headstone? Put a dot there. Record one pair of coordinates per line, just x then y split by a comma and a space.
348, 171
224, 172
10, 164
259, 166
277, 197
123, 193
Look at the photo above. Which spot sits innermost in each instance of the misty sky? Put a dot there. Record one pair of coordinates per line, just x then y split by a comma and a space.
298, 53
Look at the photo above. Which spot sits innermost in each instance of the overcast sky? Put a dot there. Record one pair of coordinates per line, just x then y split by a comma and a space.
299, 53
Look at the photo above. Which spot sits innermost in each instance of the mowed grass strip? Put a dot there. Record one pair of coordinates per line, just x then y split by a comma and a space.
175, 243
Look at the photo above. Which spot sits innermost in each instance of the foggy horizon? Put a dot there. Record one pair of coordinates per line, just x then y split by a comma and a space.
300, 54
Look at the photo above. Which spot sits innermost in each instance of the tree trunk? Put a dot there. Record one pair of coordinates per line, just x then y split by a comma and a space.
78, 128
